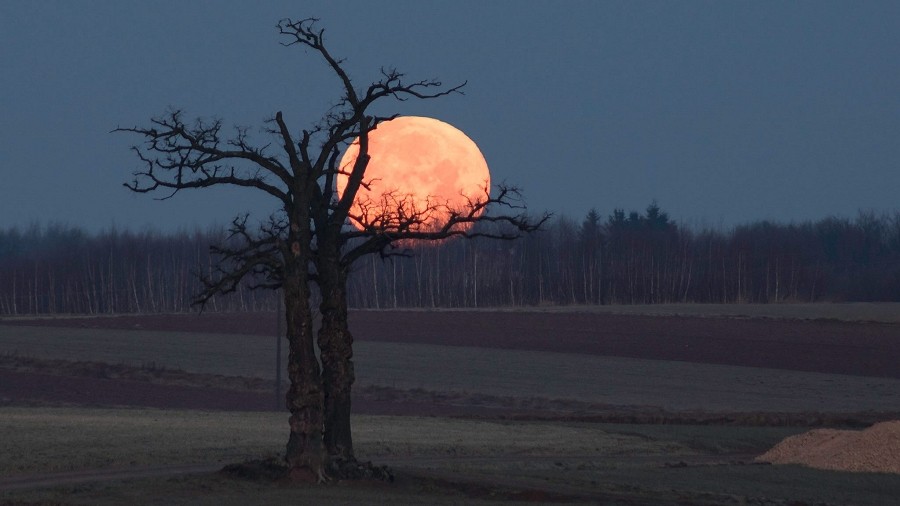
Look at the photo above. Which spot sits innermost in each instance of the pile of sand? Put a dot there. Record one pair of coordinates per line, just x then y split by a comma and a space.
876, 449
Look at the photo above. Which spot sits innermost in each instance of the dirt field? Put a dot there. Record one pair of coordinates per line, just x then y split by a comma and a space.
828, 346
536, 384
616, 382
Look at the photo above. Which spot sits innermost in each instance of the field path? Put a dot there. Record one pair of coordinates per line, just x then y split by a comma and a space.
424, 466
46, 480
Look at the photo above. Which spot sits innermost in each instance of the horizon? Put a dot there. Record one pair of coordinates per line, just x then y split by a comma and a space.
693, 225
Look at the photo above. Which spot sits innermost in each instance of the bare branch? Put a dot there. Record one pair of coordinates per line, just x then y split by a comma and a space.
348, 120
179, 157
397, 222
245, 254
176, 156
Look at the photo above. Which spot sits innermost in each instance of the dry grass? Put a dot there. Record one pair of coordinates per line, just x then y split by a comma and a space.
438, 461
43, 440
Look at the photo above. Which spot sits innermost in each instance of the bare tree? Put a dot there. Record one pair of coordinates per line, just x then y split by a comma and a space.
387, 233
308, 238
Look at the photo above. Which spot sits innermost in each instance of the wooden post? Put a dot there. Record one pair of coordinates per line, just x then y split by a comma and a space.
279, 402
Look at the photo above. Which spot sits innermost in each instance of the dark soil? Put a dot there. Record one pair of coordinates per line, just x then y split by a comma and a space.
866, 349
267, 470
863, 349
28, 381
822, 346
35, 388
28, 388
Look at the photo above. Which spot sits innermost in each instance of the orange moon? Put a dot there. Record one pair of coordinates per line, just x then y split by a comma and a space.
416, 165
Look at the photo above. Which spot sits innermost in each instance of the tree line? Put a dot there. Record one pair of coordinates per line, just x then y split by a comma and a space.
647, 258
62, 269
623, 258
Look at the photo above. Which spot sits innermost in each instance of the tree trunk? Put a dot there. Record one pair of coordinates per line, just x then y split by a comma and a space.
305, 453
336, 347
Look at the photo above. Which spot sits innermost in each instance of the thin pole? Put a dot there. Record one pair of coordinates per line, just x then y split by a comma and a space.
278, 400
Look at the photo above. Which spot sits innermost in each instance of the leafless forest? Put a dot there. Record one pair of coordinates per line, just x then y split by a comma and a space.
624, 258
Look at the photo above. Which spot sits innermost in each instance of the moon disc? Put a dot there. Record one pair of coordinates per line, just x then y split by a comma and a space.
417, 165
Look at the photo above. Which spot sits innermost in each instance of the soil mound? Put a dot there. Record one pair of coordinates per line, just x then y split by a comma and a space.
876, 449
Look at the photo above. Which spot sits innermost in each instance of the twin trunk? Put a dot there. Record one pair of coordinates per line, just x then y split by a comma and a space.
319, 401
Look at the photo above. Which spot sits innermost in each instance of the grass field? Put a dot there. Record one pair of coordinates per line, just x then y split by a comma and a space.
437, 460
72, 439
624, 464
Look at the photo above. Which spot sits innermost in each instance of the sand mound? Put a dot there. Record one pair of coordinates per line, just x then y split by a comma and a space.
876, 449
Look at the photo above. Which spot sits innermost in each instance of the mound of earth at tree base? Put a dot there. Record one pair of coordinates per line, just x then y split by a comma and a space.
874, 450
274, 469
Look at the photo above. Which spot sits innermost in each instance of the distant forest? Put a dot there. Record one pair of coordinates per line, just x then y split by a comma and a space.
623, 258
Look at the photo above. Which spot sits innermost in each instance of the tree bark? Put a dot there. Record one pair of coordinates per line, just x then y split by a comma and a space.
336, 347
305, 454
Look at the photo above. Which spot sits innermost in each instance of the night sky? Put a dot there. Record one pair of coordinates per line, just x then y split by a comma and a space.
724, 112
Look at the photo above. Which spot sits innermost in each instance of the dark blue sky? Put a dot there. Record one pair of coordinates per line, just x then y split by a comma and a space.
725, 112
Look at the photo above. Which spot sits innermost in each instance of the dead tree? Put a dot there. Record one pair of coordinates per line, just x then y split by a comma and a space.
387, 232
307, 239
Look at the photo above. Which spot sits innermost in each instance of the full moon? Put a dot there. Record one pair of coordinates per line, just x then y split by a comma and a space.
419, 166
